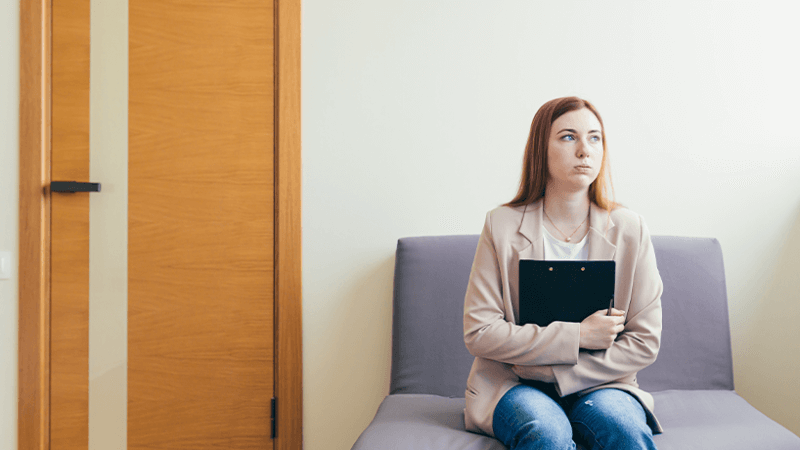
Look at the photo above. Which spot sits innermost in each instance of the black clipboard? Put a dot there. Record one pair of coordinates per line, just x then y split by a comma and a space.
563, 290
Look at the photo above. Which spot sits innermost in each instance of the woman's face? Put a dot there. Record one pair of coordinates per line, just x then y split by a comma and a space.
574, 151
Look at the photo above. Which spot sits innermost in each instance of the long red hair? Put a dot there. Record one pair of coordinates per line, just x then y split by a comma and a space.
534, 166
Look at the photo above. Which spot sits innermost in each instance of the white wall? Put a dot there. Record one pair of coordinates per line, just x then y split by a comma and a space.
9, 216
415, 114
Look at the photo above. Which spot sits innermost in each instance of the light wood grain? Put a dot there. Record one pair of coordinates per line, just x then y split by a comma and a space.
289, 336
69, 310
201, 200
33, 424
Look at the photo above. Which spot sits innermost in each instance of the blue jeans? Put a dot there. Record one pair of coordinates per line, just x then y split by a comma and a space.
532, 416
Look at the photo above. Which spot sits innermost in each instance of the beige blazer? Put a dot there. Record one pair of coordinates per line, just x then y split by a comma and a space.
491, 308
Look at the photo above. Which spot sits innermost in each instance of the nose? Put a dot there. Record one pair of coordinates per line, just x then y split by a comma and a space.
581, 149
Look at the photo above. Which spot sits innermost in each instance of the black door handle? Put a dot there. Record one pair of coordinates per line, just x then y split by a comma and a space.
73, 186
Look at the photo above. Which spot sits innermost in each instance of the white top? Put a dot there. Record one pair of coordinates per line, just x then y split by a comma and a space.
557, 249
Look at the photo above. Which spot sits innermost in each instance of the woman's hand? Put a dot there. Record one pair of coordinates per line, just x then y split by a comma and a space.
537, 373
599, 330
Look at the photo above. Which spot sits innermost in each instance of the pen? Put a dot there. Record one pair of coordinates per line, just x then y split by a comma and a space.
610, 306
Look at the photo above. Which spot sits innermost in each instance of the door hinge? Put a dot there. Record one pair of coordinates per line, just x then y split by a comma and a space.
272, 417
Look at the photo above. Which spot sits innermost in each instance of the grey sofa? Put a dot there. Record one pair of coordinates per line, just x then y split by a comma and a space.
691, 381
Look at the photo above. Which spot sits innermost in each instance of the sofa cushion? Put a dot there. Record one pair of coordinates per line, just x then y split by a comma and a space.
422, 422
707, 420
695, 338
716, 419
430, 281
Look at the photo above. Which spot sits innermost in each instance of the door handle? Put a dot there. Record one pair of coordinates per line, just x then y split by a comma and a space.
73, 186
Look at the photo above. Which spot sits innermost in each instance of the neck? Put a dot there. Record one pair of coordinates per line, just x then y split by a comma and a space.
566, 207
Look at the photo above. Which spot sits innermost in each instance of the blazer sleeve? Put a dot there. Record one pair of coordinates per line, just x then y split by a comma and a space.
637, 345
487, 333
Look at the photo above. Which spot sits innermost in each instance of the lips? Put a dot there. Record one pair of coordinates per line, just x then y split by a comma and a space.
582, 167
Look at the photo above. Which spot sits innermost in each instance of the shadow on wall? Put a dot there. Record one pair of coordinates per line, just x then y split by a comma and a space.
358, 349
772, 338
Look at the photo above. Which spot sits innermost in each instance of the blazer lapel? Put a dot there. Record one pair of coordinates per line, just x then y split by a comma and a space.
531, 228
600, 225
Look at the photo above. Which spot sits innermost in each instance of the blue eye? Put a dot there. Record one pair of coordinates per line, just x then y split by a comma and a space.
596, 138
568, 136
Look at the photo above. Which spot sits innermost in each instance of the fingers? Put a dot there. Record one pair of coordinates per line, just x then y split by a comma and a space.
615, 318
614, 312
599, 331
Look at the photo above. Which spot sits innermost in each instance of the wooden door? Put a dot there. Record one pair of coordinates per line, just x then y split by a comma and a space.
202, 227
200, 208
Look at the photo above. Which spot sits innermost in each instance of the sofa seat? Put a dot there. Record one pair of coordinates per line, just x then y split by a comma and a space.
716, 419
708, 419
422, 422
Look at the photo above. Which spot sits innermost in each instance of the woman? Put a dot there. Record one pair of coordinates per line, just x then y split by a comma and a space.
536, 387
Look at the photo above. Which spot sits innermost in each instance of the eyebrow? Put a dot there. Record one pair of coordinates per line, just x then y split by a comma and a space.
573, 131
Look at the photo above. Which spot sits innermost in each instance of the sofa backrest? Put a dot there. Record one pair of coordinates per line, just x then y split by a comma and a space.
430, 281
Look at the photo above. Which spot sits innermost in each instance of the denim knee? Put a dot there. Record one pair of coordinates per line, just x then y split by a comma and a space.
612, 418
544, 434
526, 418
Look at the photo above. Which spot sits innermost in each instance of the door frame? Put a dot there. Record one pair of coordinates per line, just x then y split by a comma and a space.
33, 420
